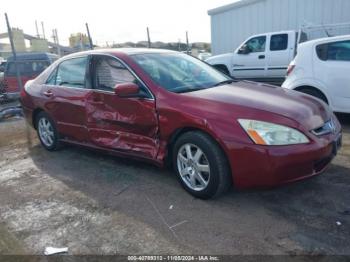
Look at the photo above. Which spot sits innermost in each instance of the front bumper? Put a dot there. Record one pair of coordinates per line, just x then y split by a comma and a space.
267, 166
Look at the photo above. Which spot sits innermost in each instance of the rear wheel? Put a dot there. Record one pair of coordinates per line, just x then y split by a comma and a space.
201, 165
315, 93
47, 132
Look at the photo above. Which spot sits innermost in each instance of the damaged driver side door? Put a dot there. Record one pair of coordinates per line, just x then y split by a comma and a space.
126, 124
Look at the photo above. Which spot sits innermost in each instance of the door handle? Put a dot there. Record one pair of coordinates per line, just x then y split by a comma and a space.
48, 93
261, 57
96, 101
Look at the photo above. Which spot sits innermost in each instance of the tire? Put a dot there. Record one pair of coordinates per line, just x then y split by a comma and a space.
208, 184
46, 128
314, 93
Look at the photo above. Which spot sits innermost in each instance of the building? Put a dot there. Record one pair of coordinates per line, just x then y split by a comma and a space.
232, 24
20, 40
39, 45
79, 41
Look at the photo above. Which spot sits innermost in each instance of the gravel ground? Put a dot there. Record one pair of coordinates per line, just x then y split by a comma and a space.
97, 204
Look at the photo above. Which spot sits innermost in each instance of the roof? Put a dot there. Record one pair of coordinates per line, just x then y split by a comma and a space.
234, 5
325, 40
134, 51
127, 51
32, 56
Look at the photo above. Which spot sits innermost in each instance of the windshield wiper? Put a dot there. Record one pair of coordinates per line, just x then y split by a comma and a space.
229, 81
189, 90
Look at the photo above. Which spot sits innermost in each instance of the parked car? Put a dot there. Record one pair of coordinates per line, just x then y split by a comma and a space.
265, 57
30, 65
2, 70
161, 106
321, 69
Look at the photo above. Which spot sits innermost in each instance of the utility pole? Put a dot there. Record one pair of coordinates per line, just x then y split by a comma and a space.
89, 36
18, 75
57, 42
148, 38
42, 26
9, 31
37, 30
188, 46
54, 36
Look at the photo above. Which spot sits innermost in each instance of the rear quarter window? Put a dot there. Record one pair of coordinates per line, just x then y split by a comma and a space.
337, 51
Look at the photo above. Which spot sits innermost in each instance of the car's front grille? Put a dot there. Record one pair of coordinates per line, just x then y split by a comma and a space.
328, 128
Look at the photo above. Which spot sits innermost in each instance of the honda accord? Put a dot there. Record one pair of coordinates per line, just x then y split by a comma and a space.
168, 107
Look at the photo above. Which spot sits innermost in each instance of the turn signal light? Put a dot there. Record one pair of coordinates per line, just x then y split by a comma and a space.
290, 69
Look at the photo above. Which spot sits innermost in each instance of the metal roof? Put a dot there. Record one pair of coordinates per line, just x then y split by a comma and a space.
234, 5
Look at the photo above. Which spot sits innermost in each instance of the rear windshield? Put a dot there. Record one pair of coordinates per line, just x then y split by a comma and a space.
26, 68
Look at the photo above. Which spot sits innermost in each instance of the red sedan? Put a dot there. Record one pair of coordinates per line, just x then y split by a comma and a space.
167, 106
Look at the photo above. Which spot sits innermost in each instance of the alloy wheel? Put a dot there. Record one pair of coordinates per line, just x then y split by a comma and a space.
193, 167
46, 132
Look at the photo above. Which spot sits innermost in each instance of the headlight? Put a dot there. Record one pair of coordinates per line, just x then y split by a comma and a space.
265, 133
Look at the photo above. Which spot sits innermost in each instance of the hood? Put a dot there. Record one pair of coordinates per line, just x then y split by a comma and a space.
306, 110
219, 59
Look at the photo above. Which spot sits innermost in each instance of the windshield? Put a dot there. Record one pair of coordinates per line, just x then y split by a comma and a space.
180, 73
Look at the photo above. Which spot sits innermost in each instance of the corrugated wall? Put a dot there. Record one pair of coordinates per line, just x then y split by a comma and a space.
230, 28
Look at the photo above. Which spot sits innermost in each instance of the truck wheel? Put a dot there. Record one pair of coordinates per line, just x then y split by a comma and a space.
201, 165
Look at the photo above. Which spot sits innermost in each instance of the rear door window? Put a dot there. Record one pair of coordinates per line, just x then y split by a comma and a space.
279, 42
71, 73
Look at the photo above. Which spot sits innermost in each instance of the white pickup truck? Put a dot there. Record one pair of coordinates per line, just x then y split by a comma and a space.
262, 58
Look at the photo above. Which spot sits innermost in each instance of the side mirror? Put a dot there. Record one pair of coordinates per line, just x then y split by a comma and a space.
244, 50
126, 90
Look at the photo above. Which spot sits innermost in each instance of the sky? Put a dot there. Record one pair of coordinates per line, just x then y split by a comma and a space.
114, 20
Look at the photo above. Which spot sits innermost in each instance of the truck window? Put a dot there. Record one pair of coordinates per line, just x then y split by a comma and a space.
279, 42
256, 44
337, 51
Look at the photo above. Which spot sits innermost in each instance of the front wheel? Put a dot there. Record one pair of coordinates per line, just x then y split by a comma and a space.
201, 165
